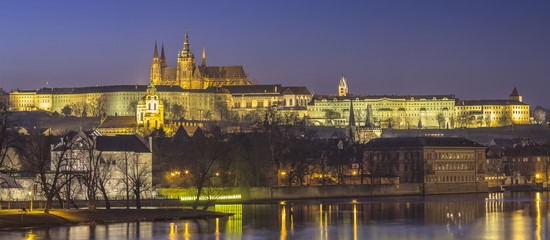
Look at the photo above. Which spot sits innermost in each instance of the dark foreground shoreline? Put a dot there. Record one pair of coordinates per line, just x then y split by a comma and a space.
15, 219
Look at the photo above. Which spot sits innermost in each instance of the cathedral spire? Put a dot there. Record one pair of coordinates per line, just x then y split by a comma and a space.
186, 43
203, 63
155, 67
156, 53
162, 57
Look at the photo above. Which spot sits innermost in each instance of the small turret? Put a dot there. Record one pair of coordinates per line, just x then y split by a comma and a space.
343, 86
515, 95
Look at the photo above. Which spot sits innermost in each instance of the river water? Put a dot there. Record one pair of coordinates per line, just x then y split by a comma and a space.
471, 216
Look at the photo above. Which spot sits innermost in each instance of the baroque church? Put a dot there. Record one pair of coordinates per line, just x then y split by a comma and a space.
188, 75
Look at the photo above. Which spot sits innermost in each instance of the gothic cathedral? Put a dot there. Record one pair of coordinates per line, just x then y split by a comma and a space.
189, 76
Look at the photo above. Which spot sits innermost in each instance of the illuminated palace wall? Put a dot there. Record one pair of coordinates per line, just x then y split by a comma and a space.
397, 112
421, 111
118, 100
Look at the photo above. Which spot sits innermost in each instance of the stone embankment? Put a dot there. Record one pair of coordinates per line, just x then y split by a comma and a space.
13, 219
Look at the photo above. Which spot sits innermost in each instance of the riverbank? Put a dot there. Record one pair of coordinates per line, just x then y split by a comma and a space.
15, 219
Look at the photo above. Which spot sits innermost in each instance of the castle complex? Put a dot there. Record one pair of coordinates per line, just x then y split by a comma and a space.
206, 92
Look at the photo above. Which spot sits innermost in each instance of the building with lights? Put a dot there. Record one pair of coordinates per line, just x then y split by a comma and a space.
188, 75
206, 92
442, 164
527, 164
389, 111
492, 113
150, 109
111, 157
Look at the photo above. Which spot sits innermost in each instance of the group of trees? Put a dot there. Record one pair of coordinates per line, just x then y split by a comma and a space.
279, 151
92, 107
75, 166
540, 115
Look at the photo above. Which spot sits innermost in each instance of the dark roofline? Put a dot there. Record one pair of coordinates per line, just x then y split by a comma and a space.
489, 102
422, 142
363, 97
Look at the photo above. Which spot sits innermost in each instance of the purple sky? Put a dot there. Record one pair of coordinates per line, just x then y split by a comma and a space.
474, 49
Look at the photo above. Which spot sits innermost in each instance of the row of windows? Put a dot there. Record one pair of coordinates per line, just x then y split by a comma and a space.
454, 166
453, 155
387, 104
468, 178
526, 159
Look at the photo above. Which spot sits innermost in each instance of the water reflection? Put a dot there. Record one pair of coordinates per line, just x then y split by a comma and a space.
488, 216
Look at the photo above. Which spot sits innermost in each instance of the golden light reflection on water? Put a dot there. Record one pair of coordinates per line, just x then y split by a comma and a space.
30, 236
490, 216
217, 228
186, 232
291, 222
538, 216
283, 223
355, 222
321, 220
173, 231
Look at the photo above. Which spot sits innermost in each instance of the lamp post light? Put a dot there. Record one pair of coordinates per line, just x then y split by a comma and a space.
30, 195
281, 173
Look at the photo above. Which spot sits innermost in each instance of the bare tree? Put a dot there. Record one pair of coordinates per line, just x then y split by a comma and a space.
104, 176
178, 111
539, 115
8, 141
67, 110
139, 177
97, 105
222, 111
122, 166
53, 170
132, 107
331, 115
79, 109
202, 161
323, 164
90, 159
441, 120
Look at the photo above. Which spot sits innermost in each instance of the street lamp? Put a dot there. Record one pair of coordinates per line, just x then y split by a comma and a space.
30, 195
281, 173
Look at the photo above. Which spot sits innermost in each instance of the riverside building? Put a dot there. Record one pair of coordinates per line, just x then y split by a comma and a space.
442, 164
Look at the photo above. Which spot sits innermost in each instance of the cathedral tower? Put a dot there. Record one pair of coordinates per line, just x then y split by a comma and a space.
186, 65
343, 86
155, 67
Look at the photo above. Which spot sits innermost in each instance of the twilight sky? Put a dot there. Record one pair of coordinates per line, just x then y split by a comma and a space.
473, 49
